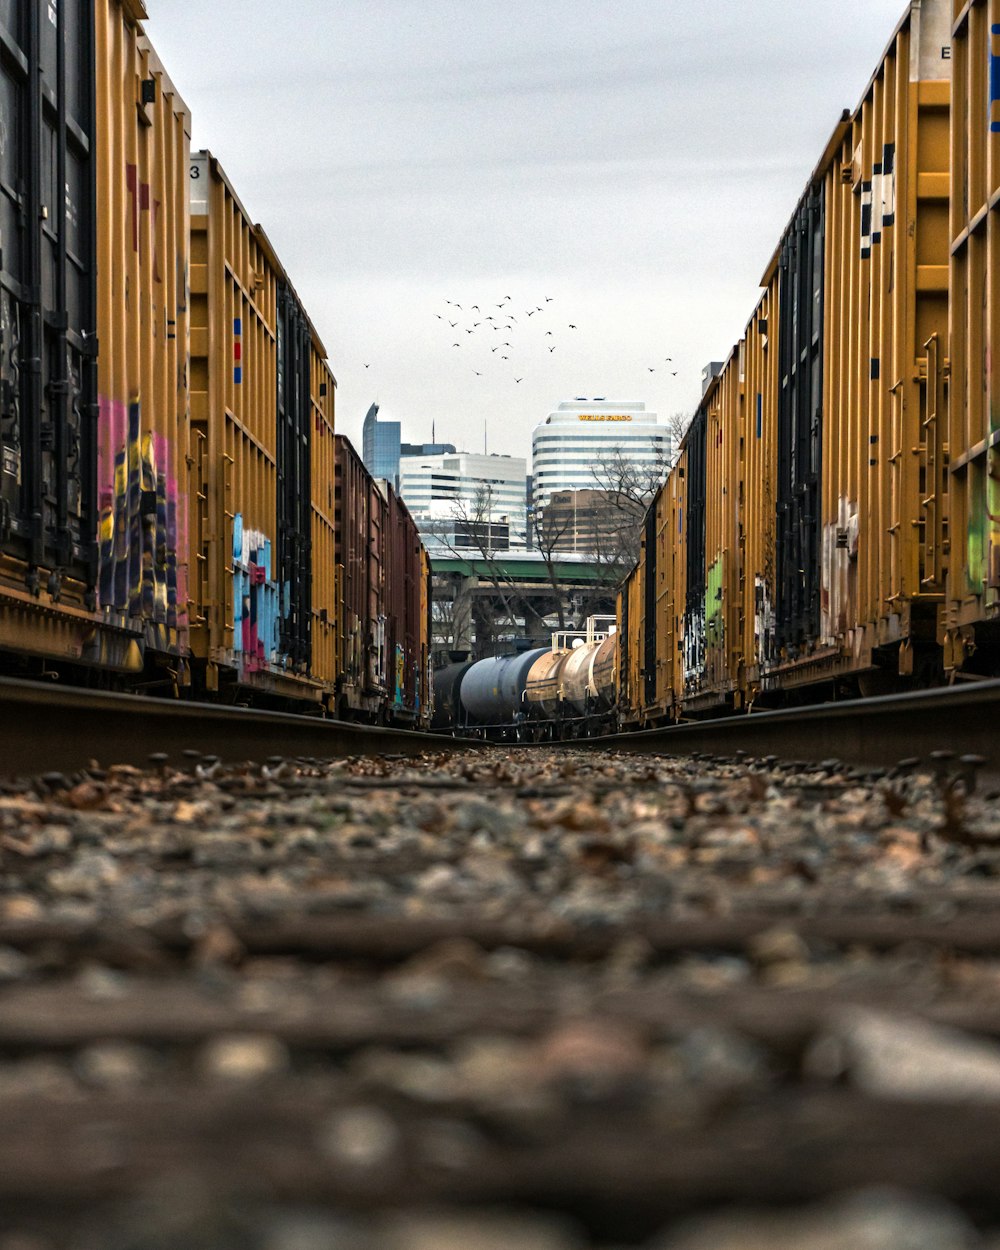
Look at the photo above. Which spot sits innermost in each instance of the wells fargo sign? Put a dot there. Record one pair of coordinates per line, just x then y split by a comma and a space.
600, 416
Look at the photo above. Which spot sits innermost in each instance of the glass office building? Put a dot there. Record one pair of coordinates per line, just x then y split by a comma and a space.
380, 447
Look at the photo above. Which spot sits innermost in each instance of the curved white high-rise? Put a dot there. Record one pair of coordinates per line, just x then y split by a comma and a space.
569, 448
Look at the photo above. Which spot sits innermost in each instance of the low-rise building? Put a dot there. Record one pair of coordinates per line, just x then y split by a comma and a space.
461, 499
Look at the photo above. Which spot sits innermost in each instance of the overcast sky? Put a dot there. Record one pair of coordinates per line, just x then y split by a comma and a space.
631, 161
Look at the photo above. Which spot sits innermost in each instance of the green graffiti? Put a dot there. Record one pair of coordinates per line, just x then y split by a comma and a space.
714, 627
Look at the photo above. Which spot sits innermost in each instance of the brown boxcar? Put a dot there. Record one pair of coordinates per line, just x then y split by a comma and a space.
426, 676
384, 610
360, 513
403, 611
261, 425
971, 625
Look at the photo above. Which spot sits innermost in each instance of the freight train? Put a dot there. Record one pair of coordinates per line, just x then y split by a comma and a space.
177, 514
564, 691
832, 525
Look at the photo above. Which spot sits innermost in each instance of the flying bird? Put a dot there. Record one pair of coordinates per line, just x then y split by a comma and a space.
549, 299
453, 324
494, 349
572, 327
531, 312
453, 345
470, 332
439, 317
477, 373
519, 379
652, 370
674, 374
552, 349
505, 358
474, 308
548, 333
367, 366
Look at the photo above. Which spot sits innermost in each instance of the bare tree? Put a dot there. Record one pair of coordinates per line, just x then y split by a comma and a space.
677, 424
628, 487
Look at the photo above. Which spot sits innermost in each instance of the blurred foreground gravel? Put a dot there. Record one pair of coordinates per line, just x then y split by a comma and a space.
539, 1000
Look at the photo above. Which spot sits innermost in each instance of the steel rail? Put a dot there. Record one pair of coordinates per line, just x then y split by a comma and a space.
61, 728
878, 731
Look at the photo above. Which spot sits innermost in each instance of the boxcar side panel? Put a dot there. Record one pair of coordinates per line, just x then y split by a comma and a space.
143, 248
971, 626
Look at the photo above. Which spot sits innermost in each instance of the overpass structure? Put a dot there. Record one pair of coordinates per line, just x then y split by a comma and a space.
480, 603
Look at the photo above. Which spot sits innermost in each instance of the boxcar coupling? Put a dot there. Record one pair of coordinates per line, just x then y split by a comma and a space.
168, 463
831, 523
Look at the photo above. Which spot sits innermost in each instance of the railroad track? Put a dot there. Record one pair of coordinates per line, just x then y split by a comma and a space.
878, 731
554, 999
61, 728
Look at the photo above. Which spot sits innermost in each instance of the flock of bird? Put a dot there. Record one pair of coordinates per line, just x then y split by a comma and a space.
485, 320
513, 327
488, 319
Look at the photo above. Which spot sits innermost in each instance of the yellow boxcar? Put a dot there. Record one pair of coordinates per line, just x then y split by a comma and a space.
668, 681
886, 188
758, 488
144, 145
93, 556
264, 619
720, 610
631, 695
325, 591
971, 625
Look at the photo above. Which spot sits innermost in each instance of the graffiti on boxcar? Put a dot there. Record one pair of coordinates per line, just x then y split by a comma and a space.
714, 623
257, 600
694, 649
400, 691
764, 619
838, 561
142, 521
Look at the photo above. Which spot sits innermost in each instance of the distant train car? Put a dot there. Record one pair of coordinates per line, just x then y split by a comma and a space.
446, 686
567, 690
383, 615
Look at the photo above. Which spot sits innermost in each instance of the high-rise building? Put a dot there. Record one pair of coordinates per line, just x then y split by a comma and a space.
463, 499
380, 447
582, 441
